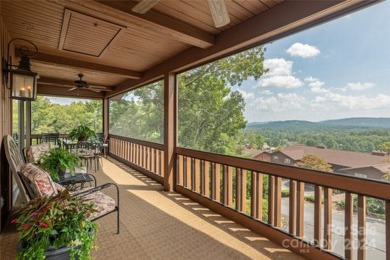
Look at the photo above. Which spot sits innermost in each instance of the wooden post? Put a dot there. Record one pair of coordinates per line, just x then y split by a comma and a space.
317, 214
387, 230
362, 227
328, 218
106, 116
292, 226
278, 202
271, 200
170, 99
300, 208
348, 239
28, 124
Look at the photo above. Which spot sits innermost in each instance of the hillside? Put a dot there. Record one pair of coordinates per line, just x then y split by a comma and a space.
344, 124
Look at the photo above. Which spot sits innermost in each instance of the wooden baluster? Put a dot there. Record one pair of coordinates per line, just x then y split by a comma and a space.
197, 176
387, 230
278, 202
206, 181
152, 162
271, 200
328, 218
161, 162
243, 175
348, 239
188, 173
238, 194
217, 182
228, 186
292, 225
362, 217
317, 215
180, 167
300, 208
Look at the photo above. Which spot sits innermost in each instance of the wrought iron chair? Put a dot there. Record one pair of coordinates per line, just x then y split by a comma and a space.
32, 181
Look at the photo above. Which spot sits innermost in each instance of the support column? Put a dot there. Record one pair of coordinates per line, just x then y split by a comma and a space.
28, 123
105, 117
170, 104
21, 124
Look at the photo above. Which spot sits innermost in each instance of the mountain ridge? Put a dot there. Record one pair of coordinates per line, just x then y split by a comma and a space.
360, 122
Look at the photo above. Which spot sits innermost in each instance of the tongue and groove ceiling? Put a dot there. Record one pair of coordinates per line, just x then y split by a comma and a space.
110, 44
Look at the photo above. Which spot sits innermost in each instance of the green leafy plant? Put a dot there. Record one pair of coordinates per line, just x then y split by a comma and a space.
59, 160
82, 133
49, 223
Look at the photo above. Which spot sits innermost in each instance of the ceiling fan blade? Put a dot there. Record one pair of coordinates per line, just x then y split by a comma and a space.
219, 12
94, 90
144, 6
74, 88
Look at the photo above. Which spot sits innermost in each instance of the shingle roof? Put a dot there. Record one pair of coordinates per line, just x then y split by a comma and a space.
337, 157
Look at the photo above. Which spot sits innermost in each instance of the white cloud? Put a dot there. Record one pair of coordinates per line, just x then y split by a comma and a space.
303, 50
278, 67
281, 102
281, 82
358, 86
314, 82
357, 102
279, 74
246, 95
266, 92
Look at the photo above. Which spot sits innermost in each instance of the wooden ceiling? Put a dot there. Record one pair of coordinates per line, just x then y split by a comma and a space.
113, 46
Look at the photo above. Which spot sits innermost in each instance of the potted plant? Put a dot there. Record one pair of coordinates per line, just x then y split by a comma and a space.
82, 133
56, 227
57, 161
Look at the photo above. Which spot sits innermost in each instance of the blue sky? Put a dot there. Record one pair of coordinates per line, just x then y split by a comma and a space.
335, 70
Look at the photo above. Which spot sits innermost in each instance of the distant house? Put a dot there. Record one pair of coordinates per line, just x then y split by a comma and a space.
364, 165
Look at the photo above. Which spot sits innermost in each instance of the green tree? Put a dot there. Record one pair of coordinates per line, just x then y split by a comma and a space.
314, 162
210, 113
385, 147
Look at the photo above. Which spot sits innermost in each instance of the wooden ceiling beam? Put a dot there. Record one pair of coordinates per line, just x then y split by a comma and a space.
73, 63
63, 83
53, 90
281, 20
165, 24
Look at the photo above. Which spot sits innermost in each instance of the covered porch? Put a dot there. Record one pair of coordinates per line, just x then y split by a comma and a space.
193, 203
165, 225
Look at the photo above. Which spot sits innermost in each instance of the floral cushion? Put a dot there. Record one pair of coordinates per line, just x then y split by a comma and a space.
34, 152
102, 203
40, 180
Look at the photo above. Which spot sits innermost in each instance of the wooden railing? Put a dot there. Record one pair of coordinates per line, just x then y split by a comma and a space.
144, 156
238, 184
237, 188
36, 138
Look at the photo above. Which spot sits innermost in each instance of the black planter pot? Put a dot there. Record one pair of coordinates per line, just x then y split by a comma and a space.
62, 253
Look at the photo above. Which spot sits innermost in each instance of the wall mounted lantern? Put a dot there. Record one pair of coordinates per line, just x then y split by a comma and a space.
23, 82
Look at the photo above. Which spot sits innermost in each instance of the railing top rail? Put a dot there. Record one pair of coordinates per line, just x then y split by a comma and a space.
367, 187
136, 141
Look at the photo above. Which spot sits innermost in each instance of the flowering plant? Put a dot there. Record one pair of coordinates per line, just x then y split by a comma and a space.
49, 223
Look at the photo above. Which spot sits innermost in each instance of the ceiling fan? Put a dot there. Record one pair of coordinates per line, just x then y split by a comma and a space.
217, 9
81, 84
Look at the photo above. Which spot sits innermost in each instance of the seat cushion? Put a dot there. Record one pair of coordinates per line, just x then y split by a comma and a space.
35, 151
40, 180
102, 203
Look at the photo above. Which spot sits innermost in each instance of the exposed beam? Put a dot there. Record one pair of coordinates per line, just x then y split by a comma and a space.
63, 92
165, 24
64, 83
73, 63
285, 18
